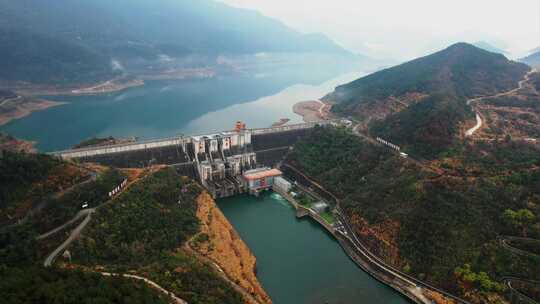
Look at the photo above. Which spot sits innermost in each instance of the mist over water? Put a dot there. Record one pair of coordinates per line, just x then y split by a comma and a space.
169, 108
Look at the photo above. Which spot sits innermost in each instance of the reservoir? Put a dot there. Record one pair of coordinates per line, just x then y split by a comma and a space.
298, 262
167, 108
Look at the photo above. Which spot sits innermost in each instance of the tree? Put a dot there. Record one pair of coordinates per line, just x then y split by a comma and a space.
520, 219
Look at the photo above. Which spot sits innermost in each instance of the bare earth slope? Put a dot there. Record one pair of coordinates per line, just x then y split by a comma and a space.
220, 242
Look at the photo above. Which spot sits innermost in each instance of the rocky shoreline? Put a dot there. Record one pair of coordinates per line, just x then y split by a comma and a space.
312, 110
219, 242
25, 108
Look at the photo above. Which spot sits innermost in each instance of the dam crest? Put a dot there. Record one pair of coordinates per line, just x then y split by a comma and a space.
217, 160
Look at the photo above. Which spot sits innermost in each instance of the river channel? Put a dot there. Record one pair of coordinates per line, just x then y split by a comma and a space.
298, 262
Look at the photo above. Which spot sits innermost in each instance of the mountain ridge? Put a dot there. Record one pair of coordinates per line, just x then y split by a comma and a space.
139, 33
532, 59
426, 96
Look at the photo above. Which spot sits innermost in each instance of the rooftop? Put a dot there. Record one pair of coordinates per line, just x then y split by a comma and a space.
261, 173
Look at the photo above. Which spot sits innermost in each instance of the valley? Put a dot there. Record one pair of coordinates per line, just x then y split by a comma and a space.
255, 152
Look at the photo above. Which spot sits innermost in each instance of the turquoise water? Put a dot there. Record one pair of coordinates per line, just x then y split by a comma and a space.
168, 108
298, 262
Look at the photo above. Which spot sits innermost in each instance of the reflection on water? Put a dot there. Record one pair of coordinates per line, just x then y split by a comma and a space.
265, 111
168, 108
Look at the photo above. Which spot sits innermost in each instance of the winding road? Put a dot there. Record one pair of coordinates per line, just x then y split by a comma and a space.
471, 101
503, 240
43, 203
153, 284
66, 224
73, 236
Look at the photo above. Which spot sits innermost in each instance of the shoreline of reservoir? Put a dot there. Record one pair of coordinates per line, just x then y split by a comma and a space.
312, 110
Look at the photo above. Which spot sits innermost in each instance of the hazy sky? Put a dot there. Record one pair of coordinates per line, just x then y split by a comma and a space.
408, 28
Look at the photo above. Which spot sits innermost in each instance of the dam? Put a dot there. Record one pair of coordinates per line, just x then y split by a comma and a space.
218, 160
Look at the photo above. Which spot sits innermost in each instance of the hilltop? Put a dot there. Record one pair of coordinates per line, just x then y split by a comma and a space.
421, 103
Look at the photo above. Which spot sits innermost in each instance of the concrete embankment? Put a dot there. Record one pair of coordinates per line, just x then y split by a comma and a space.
416, 290
363, 260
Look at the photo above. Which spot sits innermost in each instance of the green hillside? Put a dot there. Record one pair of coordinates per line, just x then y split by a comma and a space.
141, 231
434, 225
443, 80
38, 58
461, 70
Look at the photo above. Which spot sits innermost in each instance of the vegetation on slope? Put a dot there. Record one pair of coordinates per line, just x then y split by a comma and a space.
427, 128
58, 210
444, 222
143, 231
40, 285
37, 58
27, 179
421, 103
461, 70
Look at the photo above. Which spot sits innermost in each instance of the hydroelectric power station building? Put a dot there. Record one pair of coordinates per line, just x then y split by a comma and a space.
226, 163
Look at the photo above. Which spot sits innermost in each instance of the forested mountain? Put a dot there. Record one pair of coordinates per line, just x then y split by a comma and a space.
532, 59
441, 228
420, 103
88, 36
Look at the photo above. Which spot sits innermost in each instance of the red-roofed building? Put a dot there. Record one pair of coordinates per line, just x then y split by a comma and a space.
261, 179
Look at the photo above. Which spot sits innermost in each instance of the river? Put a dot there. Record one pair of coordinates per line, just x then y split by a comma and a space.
298, 262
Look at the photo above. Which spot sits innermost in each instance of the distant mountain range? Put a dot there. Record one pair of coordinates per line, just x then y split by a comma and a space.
421, 103
489, 47
80, 41
533, 59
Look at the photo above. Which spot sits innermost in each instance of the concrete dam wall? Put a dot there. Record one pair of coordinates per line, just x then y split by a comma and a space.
217, 160
269, 148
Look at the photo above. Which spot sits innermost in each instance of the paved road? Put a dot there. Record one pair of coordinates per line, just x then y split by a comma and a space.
503, 240
43, 203
476, 127
470, 102
153, 284
404, 281
60, 228
73, 236
522, 297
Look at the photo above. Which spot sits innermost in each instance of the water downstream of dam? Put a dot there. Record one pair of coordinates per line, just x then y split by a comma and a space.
298, 262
